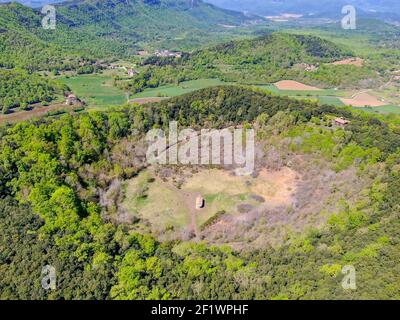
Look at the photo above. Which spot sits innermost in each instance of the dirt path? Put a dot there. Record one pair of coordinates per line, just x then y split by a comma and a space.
369, 90
359, 93
387, 83
189, 199
364, 99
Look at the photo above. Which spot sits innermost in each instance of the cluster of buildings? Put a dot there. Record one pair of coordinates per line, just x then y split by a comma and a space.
167, 53
130, 71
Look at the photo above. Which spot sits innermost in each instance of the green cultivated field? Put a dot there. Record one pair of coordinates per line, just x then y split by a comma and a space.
98, 92
383, 109
314, 93
327, 96
174, 90
95, 90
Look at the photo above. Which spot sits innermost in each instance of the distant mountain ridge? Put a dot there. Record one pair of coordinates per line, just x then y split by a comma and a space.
317, 8
33, 3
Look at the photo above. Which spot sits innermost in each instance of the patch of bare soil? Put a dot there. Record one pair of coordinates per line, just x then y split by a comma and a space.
35, 112
294, 85
276, 187
358, 62
362, 100
300, 201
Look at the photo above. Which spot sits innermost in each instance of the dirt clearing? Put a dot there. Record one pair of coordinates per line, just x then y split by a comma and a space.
166, 207
358, 62
34, 113
362, 100
294, 85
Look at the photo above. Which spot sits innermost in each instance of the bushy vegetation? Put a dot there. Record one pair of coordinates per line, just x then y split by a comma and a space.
53, 174
20, 89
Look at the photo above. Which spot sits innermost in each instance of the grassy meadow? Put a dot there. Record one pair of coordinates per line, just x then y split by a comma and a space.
96, 90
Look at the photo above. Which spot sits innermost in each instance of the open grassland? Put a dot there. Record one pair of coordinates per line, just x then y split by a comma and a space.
330, 96
163, 206
155, 202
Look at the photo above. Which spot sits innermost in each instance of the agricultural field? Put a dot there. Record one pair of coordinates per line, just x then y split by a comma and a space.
382, 110
96, 90
174, 90
326, 96
370, 102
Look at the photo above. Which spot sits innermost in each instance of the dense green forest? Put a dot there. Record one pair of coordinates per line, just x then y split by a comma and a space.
21, 89
52, 172
23, 42
63, 177
265, 59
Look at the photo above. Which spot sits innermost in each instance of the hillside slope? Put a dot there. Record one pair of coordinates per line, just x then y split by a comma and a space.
266, 59
106, 28
59, 179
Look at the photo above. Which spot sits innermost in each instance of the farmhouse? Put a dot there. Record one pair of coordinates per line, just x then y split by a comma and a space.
132, 72
200, 203
71, 100
341, 122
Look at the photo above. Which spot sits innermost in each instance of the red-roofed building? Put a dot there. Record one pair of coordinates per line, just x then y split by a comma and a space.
341, 122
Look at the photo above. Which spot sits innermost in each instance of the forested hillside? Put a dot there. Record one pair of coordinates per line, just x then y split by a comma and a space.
266, 59
21, 89
53, 174
93, 29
